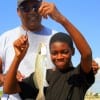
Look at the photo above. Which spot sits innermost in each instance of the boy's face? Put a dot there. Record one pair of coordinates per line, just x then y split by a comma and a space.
61, 54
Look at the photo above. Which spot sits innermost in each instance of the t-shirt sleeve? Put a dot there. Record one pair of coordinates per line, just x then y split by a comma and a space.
28, 88
89, 78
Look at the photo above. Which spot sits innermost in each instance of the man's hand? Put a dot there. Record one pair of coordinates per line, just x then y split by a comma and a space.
2, 78
19, 76
95, 67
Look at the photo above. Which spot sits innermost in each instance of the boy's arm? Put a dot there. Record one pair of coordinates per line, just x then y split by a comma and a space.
49, 9
11, 84
81, 44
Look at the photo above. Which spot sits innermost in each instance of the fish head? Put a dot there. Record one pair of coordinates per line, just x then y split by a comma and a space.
42, 49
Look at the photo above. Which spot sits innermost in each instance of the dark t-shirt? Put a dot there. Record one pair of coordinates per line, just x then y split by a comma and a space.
68, 85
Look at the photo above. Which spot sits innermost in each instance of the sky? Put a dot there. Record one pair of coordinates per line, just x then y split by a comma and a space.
84, 14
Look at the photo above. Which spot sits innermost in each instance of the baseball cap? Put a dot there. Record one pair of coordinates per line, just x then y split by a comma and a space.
19, 2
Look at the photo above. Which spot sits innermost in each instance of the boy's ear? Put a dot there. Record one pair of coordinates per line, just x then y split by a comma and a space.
73, 51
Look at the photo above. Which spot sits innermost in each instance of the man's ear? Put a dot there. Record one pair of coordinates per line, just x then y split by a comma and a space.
18, 12
73, 51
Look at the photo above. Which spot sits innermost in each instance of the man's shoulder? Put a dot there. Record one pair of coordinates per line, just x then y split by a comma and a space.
11, 31
48, 31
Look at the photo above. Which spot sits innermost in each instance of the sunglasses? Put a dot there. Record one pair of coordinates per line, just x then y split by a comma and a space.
27, 9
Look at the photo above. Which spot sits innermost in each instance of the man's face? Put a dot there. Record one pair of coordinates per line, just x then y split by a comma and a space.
61, 54
28, 12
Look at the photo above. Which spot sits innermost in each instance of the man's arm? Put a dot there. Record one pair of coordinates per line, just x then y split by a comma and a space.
2, 76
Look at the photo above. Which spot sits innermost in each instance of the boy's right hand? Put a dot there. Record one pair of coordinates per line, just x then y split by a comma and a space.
20, 46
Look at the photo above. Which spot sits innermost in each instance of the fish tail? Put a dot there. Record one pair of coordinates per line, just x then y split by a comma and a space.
40, 96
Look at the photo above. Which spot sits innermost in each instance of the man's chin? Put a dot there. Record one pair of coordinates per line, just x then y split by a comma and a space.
32, 27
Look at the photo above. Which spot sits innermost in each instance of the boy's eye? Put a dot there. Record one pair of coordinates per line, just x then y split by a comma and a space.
61, 52
65, 51
54, 53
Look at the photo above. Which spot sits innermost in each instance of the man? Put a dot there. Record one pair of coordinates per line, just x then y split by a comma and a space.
29, 13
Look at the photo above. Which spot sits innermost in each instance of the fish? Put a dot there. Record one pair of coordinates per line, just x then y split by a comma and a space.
39, 76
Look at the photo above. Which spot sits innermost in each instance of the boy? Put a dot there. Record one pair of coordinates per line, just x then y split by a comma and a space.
65, 81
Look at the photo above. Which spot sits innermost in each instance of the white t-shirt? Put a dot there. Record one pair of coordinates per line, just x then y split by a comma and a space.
27, 65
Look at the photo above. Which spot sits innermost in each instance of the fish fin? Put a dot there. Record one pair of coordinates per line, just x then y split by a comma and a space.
46, 84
